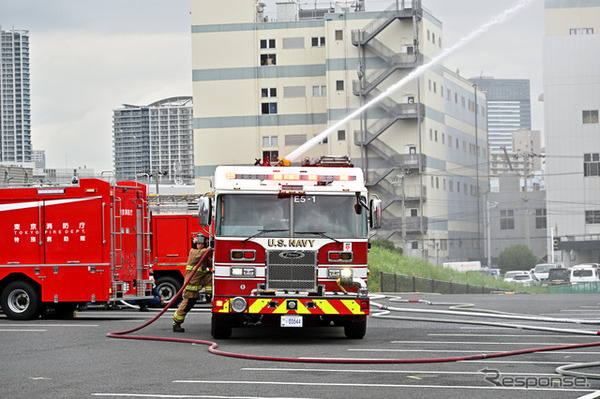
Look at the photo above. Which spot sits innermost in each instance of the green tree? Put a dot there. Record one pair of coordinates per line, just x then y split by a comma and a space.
516, 257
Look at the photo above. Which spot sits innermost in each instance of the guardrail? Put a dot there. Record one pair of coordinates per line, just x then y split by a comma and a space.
391, 282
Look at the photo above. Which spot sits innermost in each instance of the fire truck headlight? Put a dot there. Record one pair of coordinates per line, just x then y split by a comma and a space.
237, 271
238, 304
346, 277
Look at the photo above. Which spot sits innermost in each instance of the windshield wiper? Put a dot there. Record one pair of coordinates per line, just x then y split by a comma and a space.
319, 233
261, 232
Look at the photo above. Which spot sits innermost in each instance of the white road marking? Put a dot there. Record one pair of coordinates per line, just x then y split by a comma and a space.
21, 330
592, 395
508, 335
372, 385
50, 325
150, 395
484, 343
457, 351
428, 372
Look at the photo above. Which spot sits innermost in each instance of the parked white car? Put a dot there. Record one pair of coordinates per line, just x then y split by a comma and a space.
509, 275
524, 279
540, 272
584, 274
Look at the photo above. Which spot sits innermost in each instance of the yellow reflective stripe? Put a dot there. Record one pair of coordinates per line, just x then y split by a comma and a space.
258, 305
225, 308
193, 287
326, 307
178, 318
353, 306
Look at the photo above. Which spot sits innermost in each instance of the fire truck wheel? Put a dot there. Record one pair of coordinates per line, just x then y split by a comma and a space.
167, 287
355, 329
220, 326
20, 300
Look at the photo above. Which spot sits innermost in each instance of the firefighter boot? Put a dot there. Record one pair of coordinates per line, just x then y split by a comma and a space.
177, 328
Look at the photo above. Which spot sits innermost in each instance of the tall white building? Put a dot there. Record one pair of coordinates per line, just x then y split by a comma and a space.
509, 109
155, 141
571, 105
15, 104
264, 86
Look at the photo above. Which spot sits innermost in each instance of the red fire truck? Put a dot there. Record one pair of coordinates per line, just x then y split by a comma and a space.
71, 244
172, 233
290, 245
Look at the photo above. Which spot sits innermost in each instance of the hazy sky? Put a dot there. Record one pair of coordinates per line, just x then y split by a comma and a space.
88, 57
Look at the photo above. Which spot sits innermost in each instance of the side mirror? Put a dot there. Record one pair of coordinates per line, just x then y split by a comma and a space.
205, 211
375, 211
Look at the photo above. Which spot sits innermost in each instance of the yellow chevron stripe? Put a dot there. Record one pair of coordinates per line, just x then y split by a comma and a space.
258, 305
326, 307
225, 308
353, 306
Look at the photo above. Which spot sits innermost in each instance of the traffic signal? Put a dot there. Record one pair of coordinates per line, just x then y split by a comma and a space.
556, 242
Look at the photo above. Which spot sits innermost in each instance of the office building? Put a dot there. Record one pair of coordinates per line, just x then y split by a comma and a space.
15, 104
571, 106
154, 142
509, 109
264, 86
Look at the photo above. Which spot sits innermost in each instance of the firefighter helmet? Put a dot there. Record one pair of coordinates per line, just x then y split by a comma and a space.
200, 239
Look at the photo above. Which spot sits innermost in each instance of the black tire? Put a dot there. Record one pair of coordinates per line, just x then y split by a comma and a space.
356, 329
220, 327
20, 300
167, 287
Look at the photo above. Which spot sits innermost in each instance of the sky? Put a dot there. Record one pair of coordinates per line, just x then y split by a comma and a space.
89, 57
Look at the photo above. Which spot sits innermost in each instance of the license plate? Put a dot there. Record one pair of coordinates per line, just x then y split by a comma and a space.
291, 321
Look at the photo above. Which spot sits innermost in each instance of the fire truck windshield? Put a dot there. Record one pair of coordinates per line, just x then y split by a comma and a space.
267, 215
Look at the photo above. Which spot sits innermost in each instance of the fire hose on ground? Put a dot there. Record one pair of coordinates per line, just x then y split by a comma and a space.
384, 313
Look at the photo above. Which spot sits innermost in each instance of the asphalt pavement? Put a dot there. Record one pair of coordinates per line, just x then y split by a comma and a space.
417, 346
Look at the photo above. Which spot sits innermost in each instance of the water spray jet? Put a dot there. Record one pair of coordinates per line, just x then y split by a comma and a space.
420, 70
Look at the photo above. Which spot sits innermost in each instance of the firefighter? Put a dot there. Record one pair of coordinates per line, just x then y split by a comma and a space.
202, 278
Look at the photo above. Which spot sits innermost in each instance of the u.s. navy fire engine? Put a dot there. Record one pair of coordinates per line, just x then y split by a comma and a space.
290, 245
71, 244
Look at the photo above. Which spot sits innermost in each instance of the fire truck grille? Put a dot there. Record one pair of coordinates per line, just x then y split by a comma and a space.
291, 270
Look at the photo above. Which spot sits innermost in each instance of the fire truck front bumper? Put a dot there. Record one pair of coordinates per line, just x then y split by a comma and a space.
295, 306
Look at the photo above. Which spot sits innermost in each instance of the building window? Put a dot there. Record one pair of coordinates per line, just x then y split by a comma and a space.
339, 35
294, 91
273, 155
295, 139
324, 141
507, 220
270, 141
268, 59
540, 218
268, 108
319, 91
591, 164
590, 116
268, 92
592, 217
450, 186
581, 31
339, 85
318, 41
267, 43
341, 135
414, 245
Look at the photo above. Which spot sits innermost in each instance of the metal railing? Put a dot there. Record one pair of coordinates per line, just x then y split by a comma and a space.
391, 282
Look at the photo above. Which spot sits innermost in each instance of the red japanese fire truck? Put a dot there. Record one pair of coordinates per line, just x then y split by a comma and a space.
290, 245
65, 245
172, 233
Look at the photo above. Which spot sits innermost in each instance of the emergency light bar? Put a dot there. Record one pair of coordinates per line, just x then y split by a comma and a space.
290, 177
